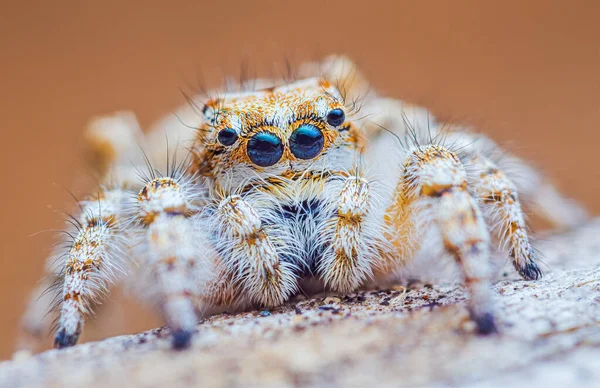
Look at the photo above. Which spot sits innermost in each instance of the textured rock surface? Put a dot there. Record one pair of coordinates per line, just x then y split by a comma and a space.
413, 336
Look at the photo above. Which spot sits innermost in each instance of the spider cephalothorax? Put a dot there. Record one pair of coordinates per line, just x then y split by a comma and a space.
286, 186
279, 131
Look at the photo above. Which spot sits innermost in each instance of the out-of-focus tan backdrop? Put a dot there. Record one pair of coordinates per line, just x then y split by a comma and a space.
526, 73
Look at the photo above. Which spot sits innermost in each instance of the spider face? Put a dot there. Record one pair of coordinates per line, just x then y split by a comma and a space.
275, 131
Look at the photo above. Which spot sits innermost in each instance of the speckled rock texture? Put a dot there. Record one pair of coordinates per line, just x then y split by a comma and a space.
412, 334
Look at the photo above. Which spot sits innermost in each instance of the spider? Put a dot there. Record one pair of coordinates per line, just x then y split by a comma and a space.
291, 186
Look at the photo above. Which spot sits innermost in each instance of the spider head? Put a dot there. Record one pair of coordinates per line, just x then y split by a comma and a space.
274, 131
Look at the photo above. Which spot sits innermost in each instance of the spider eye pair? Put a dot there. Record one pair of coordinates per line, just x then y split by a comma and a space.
265, 149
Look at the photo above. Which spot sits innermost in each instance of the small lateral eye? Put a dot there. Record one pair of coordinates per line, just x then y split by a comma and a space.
227, 136
336, 117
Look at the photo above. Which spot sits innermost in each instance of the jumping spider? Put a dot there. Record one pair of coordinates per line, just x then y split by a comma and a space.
288, 181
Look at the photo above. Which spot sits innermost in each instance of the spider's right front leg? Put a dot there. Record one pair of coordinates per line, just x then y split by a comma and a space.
252, 252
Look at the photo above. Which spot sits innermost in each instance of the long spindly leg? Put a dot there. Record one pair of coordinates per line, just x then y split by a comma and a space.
100, 240
97, 241
433, 191
94, 259
502, 208
175, 261
252, 253
97, 247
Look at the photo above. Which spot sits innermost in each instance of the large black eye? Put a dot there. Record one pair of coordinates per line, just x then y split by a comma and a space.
264, 149
306, 142
336, 117
227, 136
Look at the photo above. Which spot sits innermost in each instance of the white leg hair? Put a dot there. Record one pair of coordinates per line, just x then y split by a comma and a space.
433, 191
350, 243
499, 184
175, 262
500, 202
98, 242
252, 252
405, 121
94, 259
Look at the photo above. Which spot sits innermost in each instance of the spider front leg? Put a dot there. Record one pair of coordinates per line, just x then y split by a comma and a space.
252, 252
348, 240
433, 191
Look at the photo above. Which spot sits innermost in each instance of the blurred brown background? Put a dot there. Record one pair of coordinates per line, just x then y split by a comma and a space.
527, 73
